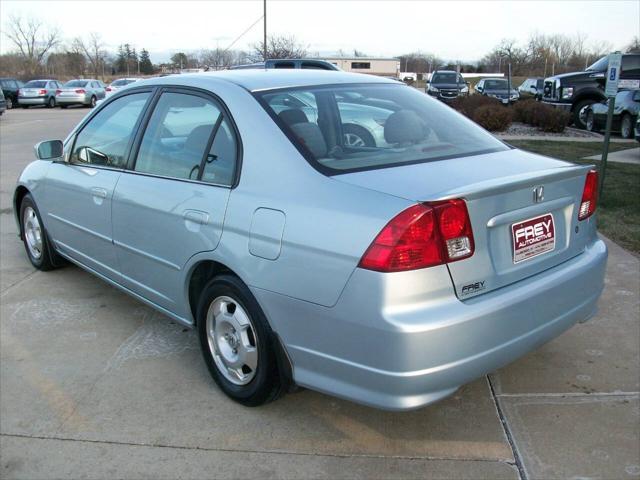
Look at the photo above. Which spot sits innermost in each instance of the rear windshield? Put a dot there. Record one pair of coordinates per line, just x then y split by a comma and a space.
346, 128
495, 84
122, 82
76, 83
36, 84
446, 78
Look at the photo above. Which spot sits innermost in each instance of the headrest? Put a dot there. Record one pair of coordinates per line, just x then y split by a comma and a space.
404, 126
311, 137
293, 116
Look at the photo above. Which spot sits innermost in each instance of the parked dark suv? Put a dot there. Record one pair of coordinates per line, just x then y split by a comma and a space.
10, 87
574, 92
446, 85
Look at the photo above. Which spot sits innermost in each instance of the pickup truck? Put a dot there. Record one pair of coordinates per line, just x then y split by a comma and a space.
576, 91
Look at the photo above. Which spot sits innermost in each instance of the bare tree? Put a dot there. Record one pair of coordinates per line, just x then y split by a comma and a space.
91, 48
633, 46
32, 39
280, 47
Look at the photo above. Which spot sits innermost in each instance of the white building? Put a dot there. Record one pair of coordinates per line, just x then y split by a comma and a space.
388, 67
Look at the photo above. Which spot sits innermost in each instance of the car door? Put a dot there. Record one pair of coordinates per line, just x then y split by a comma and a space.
79, 192
170, 204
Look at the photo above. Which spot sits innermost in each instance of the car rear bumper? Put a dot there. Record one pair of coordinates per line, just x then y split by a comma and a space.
72, 100
386, 345
32, 100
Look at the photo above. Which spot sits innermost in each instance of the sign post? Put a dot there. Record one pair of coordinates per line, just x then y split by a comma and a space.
611, 88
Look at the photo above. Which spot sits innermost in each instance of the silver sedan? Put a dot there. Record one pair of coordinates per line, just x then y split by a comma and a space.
80, 92
389, 274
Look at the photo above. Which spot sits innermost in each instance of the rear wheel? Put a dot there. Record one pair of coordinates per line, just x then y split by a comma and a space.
590, 121
580, 113
356, 136
626, 126
237, 342
93, 102
34, 236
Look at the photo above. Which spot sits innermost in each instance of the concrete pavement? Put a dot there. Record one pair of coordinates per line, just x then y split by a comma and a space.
630, 155
94, 384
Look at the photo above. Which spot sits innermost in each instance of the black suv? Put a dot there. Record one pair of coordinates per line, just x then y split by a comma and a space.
446, 85
574, 92
10, 87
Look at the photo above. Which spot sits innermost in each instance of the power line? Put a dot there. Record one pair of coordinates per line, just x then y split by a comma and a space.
243, 33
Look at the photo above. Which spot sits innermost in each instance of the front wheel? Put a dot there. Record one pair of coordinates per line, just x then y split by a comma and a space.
9, 103
237, 342
34, 236
51, 103
356, 136
626, 127
590, 123
580, 113
93, 102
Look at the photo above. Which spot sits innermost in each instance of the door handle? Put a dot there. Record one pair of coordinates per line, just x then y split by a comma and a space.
196, 216
99, 192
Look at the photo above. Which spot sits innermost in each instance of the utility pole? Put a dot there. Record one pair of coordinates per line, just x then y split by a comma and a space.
264, 38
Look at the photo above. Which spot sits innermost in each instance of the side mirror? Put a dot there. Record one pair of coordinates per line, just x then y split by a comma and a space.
49, 149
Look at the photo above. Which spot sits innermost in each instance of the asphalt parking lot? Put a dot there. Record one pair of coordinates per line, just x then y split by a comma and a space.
94, 384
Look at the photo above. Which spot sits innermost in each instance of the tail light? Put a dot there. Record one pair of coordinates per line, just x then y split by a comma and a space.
108, 89
80, 90
58, 92
43, 92
423, 235
589, 196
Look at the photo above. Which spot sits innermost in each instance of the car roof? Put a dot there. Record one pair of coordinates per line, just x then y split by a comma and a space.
444, 71
267, 79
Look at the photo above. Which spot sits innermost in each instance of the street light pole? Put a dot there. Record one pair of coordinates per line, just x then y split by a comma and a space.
264, 38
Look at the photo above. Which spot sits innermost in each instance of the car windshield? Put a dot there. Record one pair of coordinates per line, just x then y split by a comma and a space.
600, 66
495, 84
121, 82
36, 84
76, 83
346, 128
445, 78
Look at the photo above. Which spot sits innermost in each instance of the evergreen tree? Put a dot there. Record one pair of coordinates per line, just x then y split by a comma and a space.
121, 60
146, 67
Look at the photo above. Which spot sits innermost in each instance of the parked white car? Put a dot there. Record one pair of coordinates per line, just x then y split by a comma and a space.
120, 83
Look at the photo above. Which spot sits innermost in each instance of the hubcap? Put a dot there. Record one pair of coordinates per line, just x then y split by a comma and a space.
626, 127
353, 140
583, 114
233, 342
32, 233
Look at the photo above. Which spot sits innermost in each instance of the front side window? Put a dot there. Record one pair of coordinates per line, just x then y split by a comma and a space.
105, 139
188, 137
347, 128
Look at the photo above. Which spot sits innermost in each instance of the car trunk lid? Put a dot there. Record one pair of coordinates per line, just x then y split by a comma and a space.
510, 195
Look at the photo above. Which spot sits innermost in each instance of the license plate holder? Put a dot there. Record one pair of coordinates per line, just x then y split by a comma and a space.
533, 237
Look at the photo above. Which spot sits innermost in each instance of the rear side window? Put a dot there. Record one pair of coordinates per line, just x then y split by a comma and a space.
345, 128
104, 140
188, 137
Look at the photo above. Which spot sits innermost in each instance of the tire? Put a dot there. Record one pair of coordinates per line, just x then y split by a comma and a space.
590, 124
51, 103
93, 102
239, 341
9, 103
64, 106
356, 136
626, 126
34, 236
578, 120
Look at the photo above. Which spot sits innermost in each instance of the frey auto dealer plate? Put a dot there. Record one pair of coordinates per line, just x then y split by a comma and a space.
533, 237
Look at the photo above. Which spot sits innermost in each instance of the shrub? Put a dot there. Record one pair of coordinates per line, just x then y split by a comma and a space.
469, 104
494, 118
550, 119
546, 118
